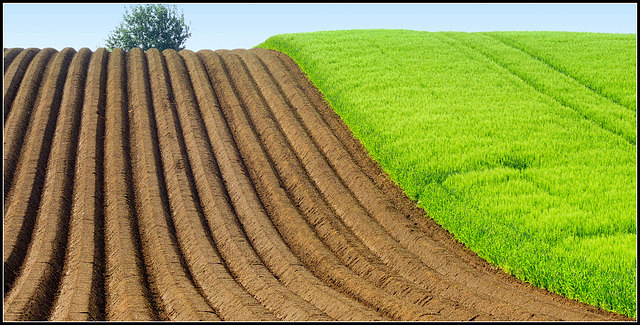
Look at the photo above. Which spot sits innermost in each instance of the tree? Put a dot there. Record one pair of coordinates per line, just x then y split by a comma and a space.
150, 26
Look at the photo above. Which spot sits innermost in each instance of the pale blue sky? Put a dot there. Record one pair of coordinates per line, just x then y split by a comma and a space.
229, 26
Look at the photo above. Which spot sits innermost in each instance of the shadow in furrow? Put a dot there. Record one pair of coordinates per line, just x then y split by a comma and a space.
172, 285
287, 304
21, 203
128, 296
235, 249
81, 293
279, 207
32, 296
14, 72
19, 118
230, 300
9, 56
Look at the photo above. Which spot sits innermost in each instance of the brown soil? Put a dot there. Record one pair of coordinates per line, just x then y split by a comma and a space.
218, 185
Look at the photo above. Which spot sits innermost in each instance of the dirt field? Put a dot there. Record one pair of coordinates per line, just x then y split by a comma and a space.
217, 185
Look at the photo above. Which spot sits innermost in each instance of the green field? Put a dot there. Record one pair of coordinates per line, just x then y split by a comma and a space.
522, 144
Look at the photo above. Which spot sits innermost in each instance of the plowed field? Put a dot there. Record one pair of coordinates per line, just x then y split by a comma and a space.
217, 185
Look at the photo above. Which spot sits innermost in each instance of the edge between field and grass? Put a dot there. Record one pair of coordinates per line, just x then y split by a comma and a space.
529, 161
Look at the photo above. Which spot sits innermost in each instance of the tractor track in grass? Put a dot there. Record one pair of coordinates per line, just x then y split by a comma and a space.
218, 185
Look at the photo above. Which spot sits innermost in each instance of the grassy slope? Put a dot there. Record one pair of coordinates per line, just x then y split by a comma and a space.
589, 61
506, 139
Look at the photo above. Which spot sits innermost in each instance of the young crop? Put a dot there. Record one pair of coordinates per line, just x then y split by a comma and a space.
523, 145
606, 64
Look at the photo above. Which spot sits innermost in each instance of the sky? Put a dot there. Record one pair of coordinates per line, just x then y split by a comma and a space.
245, 25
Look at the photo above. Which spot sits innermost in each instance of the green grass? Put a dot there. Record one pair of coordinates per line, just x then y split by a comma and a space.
522, 144
589, 60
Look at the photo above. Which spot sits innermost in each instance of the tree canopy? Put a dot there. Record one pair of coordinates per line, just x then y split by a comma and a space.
150, 26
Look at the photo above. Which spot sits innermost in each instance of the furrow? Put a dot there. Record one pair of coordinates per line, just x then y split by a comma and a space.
13, 75
195, 246
231, 301
291, 224
81, 293
32, 295
174, 291
335, 174
127, 289
230, 239
10, 55
198, 248
17, 120
256, 277
262, 228
409, 232
20, 213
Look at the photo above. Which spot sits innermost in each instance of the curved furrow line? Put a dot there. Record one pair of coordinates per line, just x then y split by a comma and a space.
10, 55
446, 247
81, 293
437, 257
21, 205
127, 289
230, 239
18, 119
325, 162
172, 286
32, 295
194, 245
231, 301
341, 241
275, 206
13, 74
228, 232
290, 222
